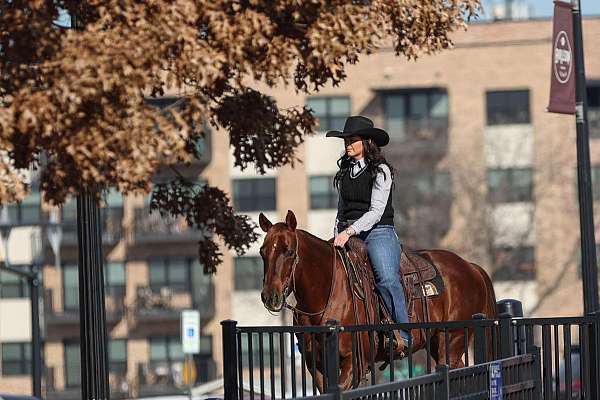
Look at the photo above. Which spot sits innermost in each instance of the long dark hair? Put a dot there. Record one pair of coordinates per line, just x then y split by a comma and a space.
373, 155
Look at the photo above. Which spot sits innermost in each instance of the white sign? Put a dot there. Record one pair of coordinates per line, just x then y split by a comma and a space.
190, 331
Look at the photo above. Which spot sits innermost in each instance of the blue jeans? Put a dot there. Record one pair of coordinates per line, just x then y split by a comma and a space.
384, 250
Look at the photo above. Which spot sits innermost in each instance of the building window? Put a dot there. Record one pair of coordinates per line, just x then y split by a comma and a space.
72, 364
322, 193
330, 111
13, 286
68, 211
507, 107
254, 194
117, 356
421, 114
595, 181
165, 350
114, 276
70, 287
173, 273
433, 186
593, 102
248, 273
510, 185
27, 211
266, 349
514, 264
16, 359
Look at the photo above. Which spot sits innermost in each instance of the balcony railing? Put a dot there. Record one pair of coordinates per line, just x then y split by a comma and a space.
418, 137
56, 315
114, 303
160, 378
120, 388
69, 314
166, 303
151, 227
118, 385
111, 220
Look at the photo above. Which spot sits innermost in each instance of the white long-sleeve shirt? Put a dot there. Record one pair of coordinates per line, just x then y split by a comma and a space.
379, 197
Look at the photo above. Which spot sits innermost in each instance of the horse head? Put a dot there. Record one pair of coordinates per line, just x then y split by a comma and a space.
279, 252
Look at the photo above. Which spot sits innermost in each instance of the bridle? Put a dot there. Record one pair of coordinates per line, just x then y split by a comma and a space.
290, 285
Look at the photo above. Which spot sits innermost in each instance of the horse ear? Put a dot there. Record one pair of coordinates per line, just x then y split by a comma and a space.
290, 220
264, 222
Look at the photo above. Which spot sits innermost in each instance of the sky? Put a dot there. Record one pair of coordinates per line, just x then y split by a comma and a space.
544, 8
538, 8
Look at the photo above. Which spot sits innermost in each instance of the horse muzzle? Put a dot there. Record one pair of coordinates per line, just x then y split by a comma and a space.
272, 301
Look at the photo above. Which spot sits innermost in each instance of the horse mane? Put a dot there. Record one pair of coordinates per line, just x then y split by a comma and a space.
314, 237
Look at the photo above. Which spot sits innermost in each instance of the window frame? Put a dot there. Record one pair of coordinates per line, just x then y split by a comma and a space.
508, 105
185, 286
23, 363
77, 382
330, 197
514, 273
65, 267
409, 120
326, 120
17, 211
502, 195
236, 281
252, 202
118, 366
168, 341
19, 284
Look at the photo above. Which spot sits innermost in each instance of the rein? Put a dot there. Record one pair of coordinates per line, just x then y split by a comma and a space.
291, 285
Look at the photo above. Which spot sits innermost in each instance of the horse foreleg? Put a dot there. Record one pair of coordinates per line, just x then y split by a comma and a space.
346, 373
317, 376
456, 350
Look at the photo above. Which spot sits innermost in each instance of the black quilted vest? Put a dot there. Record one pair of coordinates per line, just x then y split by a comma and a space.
356, 194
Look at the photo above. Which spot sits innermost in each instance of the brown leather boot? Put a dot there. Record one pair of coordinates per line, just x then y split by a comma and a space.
399, 344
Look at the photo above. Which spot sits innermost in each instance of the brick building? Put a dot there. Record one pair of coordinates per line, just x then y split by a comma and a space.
481, 168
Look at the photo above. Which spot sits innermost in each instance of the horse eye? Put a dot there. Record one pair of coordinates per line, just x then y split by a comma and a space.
290, 252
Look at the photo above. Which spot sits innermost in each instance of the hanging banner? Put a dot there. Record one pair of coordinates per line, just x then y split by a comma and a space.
562, 84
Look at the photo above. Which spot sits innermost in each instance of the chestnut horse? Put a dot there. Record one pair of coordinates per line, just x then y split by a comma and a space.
295, 260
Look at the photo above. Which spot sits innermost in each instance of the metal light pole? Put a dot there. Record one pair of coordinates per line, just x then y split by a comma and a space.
92, 317
94, 349
586, 206
36, 345
34, 282
589, 267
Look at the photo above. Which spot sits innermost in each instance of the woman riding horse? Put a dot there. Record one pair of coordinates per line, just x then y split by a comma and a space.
364, 182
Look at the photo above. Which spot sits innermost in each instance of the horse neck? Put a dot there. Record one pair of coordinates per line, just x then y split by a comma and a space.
314, 272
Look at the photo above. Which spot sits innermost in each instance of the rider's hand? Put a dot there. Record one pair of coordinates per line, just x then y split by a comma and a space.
341, 239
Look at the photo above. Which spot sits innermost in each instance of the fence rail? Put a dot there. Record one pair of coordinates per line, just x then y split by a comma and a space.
270, 361
518, 377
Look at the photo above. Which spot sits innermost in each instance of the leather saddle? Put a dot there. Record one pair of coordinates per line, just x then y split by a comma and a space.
420, 277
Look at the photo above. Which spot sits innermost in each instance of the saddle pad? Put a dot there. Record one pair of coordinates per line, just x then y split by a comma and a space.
413, 263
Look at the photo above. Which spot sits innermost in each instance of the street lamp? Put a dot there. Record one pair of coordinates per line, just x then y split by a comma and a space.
54, 232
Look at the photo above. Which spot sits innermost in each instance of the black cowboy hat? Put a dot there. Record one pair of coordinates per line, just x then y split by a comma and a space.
361, 126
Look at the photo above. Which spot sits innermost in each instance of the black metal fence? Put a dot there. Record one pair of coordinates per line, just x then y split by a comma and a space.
267, 362
515, 378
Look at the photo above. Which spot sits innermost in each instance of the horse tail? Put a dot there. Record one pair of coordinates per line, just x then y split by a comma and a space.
490, 308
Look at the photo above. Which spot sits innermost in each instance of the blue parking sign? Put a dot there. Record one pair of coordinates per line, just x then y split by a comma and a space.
190, 331
495, 371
